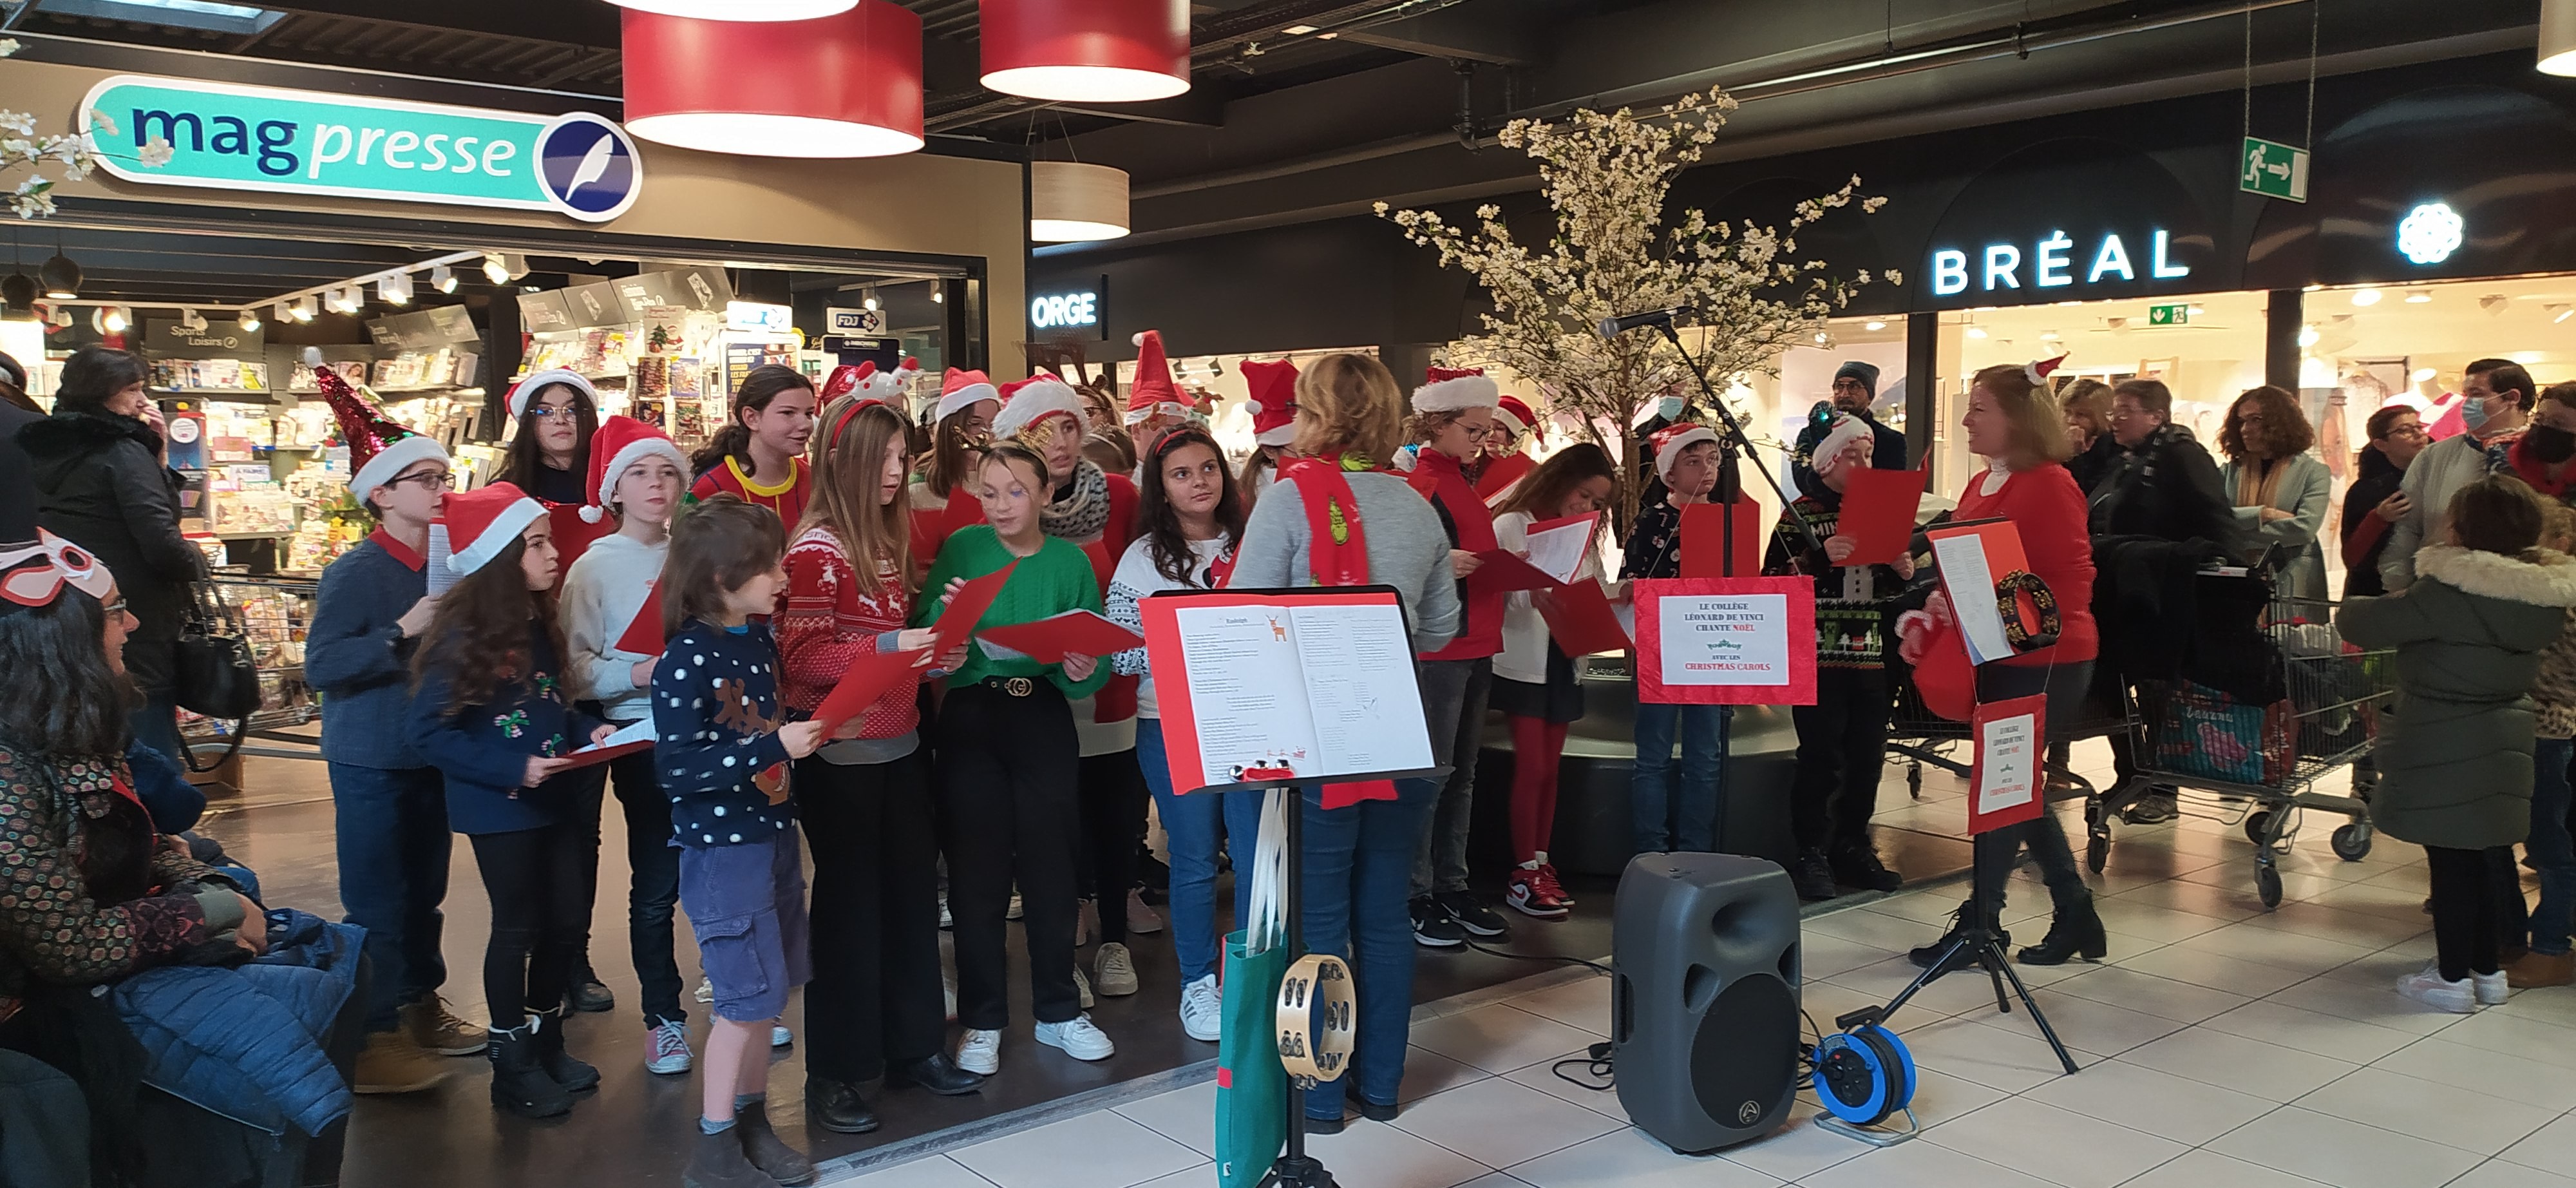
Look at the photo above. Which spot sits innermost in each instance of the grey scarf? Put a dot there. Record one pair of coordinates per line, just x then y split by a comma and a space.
1084, 511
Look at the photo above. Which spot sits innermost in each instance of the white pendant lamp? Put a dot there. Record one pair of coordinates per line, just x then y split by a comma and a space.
1071, 202
742, 10
2558, 37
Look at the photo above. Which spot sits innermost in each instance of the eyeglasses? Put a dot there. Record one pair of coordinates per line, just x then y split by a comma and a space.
115, 609
438, 480
551, 413
2406, 431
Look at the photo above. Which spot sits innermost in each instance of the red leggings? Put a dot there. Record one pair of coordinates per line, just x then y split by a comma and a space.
1537, 745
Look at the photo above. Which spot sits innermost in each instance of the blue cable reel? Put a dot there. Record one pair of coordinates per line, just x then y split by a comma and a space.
1863, 1076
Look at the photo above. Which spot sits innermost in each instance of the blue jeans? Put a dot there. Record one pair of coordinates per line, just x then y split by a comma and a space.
2551, 848
1662, 821
1196, 825
393, 850
1357, 881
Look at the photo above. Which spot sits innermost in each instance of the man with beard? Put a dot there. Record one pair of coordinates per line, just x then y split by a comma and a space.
1855, 387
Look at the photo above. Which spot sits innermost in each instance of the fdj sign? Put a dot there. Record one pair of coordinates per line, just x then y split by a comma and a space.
2052, 264
1057, 311
302, 142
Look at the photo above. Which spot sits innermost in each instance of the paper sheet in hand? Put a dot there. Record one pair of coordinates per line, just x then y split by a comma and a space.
628, 740
1704, 538
1878, 513
2004, 781
1971, 556
957, 620
1557, 546
1073, 633
867, 680
1504, 572
1320, 690
435, 567
644, 634
1581, 619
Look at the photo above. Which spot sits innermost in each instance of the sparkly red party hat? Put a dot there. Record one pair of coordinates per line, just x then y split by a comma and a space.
379, 448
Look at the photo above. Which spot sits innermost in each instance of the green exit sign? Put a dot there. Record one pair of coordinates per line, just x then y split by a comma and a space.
2273, 169
2178, 314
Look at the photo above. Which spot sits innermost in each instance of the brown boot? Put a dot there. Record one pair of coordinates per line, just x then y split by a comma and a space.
391, 1063
718, 1162
767, 1151
437, 1029
2541, 969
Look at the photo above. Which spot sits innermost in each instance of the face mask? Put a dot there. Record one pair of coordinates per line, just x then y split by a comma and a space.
2549, 444
1669, 408
2473, 413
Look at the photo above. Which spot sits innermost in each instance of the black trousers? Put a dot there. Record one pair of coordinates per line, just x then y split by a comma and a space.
1114, 797
2504, 884
1842, 745
876, 992
539, 883
653, 887
2465, 928
1007, 810
2065, 687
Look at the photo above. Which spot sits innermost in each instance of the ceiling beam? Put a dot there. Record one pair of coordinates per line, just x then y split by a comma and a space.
572, 22
1451, 33
1197, 109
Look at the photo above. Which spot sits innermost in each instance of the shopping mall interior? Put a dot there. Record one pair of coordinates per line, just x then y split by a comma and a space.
316, 228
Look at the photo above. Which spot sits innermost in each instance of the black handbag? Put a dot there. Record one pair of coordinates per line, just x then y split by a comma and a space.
213, 671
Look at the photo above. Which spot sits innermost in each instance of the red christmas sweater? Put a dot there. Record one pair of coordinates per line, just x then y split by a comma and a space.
2047, 509
1439, 478
787, 498
826, 620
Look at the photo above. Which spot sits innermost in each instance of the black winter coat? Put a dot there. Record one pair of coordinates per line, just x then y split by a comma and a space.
100, 484
2167, 488
2379, 478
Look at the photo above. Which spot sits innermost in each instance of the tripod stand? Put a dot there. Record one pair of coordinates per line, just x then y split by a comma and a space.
1981, 944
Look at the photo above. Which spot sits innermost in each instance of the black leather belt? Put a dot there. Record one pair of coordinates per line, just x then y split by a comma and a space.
1012, 686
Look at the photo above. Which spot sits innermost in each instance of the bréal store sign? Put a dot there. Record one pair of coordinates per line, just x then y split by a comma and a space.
2055, 261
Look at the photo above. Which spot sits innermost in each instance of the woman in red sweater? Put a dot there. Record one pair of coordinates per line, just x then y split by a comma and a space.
2013, 423
875, 1006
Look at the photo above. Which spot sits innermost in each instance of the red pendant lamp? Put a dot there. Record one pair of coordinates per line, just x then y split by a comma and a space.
742, 10
1094, 51
836, 86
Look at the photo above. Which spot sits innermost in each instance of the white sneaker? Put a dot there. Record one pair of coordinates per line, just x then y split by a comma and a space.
948, 993
706, 991
779, 1036
1077, 1037
2491, 988
1141, 919
669, 1053
980, 1052
1202, 1010
1082, 986
2427, 986
1014, 912
1115, 969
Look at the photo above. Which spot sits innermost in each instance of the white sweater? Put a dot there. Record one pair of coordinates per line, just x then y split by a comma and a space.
600, 597
1524, 654
1134, 582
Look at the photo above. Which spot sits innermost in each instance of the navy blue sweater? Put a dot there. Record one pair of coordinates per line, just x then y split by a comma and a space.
716, 715
483, 750
358, 660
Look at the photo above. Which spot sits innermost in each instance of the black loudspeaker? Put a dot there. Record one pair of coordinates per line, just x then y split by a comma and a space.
1705, 1034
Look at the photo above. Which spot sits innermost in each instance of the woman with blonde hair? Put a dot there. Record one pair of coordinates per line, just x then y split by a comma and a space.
1335, 518
2087, 405
2281, 492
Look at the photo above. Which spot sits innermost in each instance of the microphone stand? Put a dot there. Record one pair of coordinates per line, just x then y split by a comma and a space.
1734, 449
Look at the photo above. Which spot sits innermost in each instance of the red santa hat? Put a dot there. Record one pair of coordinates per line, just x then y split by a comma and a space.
1669, 442
1153, 393
1843, 430
889, 386
482, 522
2039, 370
1455, 389
1515, 413
526, 390
1034, 399
960, 390
1274, 400
622, 442
379, 448
846, 379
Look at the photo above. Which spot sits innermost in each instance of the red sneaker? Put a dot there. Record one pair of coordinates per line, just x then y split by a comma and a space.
1547, 880
1529, 893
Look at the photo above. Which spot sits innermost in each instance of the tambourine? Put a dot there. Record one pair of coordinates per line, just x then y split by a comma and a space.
1318, 1017
2010, 590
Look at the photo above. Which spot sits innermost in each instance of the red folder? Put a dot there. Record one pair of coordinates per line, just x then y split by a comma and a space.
1504, 572
588, 755
1878, 513
572, 533
1704, 538
644, 635
867, 680
957, 620
1505, 471
1580, 617
1073, 633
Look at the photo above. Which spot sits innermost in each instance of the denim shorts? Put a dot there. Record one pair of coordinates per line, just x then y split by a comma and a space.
746, 903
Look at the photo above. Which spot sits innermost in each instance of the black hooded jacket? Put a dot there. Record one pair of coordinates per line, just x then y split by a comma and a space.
100, 484
2377, 480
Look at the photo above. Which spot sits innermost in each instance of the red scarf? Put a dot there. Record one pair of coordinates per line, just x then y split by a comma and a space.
2536, 472
398, 550
1221, 570
1337, 551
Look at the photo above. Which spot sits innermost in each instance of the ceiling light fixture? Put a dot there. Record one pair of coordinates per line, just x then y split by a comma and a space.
18, 293
837, 86
1071, 202
1298, 30
249, 319
741, 10
938, 295
494, 270
2365, 297
108, 320
869, 302
2558, 37
307, 307
2308, 336
2564, 311
61, 276
1874, 325
2418, 297
395, 289
1101, 51
1976, 332
443, 279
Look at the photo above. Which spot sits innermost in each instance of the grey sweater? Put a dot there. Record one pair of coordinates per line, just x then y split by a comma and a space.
2432, 479
1407, 549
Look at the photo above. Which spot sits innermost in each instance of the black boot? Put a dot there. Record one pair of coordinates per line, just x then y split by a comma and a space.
2075, 932
936, 1073
718, 1162
519, 1085
837, 1107
767, 1151
1965, 958
573, 1075
1859, 866
1813, 876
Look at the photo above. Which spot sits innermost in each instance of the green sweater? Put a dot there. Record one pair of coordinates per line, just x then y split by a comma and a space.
1055, 579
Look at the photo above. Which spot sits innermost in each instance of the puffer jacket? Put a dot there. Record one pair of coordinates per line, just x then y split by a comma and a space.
249, 1042
100, 485
2455, 764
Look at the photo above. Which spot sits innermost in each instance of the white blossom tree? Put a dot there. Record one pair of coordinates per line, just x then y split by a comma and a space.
1606, 178
75, 154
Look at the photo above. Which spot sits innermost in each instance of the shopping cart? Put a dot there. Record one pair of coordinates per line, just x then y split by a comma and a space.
2254, 760
1920, 737
272, 613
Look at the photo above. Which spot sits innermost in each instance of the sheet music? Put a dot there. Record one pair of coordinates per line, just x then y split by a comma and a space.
1248, 691
1360, 681
632, 732
1559, 551
1962, 560
435, 567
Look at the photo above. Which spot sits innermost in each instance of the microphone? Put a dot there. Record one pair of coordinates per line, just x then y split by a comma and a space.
1614, 327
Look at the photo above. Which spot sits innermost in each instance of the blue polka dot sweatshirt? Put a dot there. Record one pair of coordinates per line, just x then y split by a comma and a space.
716, 718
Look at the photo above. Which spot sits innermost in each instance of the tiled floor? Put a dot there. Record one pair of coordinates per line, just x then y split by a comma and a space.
2224, 1047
